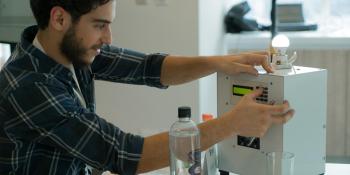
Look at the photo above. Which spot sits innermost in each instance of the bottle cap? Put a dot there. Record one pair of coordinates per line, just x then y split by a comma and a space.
184, 112
206, 117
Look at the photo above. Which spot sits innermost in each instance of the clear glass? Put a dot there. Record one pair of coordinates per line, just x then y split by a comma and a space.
184, 144
280, 163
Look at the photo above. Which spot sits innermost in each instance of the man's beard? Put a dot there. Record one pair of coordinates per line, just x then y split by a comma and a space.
72, 48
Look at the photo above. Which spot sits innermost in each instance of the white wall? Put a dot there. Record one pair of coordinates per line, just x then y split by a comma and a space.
150, 28
182, 27
15, 15
211, 42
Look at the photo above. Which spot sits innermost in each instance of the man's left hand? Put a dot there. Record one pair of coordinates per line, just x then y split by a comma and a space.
242, 63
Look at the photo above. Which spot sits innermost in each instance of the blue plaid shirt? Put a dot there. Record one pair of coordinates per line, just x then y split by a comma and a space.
44, 130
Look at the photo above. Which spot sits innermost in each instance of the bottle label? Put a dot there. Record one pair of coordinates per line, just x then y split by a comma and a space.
195, 157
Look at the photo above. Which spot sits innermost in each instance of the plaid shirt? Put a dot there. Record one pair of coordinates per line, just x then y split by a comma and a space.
44, 130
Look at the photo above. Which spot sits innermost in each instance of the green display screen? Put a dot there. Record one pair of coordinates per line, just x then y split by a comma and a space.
241, 90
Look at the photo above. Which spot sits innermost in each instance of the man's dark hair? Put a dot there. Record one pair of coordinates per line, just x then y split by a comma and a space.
76, 8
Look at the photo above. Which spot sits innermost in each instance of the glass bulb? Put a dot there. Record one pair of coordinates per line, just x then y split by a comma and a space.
280, 41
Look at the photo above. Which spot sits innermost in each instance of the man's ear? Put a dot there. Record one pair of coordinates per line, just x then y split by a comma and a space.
60, 19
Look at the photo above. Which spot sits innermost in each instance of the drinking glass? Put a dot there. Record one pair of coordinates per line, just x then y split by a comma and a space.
280, 163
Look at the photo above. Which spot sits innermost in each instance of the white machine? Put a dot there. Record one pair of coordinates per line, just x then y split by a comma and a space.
304, 135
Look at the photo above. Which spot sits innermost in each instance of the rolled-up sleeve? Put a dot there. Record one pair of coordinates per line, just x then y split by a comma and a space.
50, 116
127, 66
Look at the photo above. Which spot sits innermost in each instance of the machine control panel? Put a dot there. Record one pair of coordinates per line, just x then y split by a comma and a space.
239, 91
265, 96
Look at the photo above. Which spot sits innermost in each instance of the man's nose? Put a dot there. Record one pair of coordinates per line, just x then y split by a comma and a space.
107, 36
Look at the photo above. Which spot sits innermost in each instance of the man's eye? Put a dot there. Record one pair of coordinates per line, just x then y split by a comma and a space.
100, 26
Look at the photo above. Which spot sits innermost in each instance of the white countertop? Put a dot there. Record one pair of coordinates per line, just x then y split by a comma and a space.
308, 40
337, 169
331, 169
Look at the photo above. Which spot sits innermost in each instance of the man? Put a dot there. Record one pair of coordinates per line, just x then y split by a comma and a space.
47, 107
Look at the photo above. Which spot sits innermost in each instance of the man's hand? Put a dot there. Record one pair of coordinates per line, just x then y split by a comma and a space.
249, 118
242, 63
180, 69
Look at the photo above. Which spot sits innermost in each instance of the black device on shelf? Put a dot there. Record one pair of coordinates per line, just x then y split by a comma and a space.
235, 21
284, 17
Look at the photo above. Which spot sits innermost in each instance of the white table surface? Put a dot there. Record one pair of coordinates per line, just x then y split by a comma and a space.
331, 169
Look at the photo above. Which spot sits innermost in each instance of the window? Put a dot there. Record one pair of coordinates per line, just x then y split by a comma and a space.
330, 15
4, 53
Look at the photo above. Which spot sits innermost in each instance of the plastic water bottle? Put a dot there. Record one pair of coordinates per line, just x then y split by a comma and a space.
184, 144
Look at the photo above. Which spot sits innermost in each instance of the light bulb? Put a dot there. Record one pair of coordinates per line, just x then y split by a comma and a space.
280, 44
279, 41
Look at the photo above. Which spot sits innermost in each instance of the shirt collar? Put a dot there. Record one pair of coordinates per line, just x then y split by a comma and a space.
44, 63
37, 44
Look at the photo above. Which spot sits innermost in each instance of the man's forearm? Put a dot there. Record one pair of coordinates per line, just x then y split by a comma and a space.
178, 70
214, 131
155, 153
